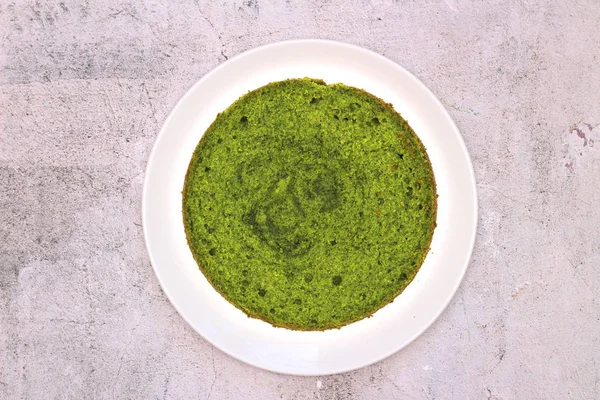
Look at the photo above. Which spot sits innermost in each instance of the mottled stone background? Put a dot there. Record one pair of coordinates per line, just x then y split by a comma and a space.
84, 88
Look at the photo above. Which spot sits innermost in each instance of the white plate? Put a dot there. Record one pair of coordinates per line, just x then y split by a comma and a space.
256, 342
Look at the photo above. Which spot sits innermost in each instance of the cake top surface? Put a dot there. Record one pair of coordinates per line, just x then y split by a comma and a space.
308, 205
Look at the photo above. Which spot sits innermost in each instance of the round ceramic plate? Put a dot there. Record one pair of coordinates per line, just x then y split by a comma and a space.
256, 342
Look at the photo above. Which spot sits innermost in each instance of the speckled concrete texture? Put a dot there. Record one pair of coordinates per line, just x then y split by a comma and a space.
84, 89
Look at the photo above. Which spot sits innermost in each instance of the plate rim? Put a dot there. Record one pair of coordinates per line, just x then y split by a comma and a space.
431, 95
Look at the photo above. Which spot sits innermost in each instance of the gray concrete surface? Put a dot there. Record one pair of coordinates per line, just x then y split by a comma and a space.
84, 89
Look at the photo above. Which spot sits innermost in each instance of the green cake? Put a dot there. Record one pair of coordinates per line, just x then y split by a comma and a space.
309, 206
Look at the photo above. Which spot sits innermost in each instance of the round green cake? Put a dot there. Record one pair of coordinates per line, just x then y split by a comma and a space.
309, 206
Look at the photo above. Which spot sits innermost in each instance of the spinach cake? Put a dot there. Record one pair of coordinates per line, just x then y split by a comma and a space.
309, 205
